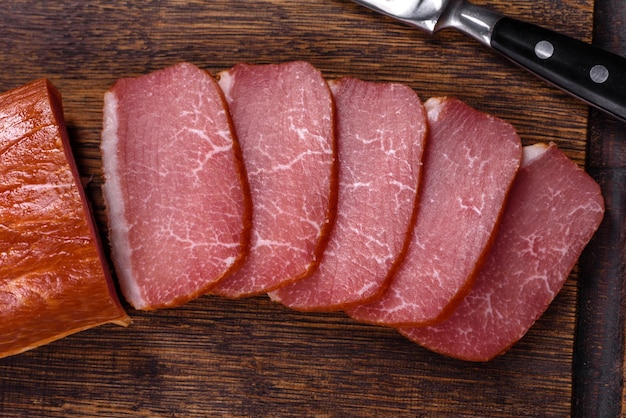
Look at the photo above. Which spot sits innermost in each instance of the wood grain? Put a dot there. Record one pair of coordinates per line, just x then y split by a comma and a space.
253, 357
598, 372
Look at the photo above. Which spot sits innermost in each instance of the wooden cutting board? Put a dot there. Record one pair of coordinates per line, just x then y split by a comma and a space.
253, 357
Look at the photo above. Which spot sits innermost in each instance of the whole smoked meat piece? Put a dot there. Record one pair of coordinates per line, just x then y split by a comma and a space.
553, 210
175, 188
54, 279
470, 161
380, 141
284, 119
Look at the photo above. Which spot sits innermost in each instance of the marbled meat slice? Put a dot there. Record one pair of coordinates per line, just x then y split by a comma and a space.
552, 213
380, 140
175, 187
283, 115
54, 279
470, 161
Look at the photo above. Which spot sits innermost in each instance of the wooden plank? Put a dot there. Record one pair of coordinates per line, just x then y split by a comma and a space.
253, 357
599, 345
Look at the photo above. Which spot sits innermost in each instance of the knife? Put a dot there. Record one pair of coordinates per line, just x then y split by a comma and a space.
591, 74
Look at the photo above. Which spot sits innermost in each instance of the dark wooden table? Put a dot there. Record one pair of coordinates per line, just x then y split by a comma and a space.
253, 357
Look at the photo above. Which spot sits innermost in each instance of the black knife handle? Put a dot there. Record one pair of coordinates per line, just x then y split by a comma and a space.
587, 72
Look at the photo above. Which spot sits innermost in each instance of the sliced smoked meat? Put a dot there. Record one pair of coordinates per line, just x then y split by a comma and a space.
470, 161
380, 140
284, 119
54, 279
553, 211
175, 187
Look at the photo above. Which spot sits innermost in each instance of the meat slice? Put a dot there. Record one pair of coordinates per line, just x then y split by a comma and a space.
553, 211
470, 162
381, 133
283, 115
175, 187
54, 279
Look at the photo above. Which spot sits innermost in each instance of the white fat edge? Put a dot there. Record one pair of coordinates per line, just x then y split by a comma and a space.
532, 152
333, 85
274, 296
433, 107
226, 80
114, 201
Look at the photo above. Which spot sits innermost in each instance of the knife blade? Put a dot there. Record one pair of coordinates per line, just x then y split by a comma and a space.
591, 74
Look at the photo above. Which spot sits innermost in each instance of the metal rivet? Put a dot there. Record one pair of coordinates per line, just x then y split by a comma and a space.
599, 74
544, 49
